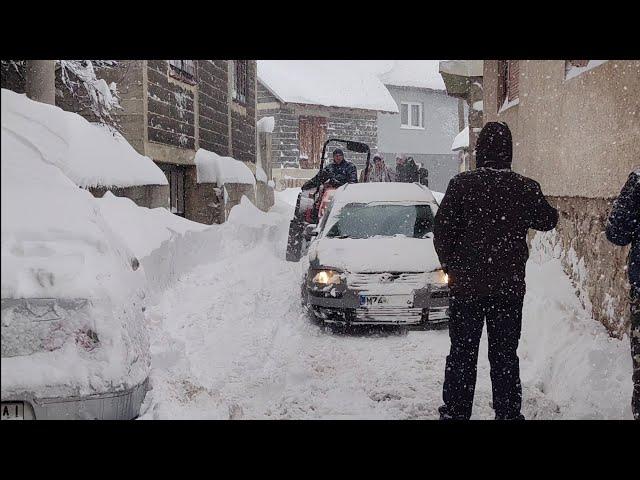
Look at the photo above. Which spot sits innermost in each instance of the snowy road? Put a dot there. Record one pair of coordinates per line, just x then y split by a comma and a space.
229, 340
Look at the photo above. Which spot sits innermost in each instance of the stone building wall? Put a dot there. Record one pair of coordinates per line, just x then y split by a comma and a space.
593, 263
359, 125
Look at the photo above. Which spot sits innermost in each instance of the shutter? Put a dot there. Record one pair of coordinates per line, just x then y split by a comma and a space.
312, 134
514, 79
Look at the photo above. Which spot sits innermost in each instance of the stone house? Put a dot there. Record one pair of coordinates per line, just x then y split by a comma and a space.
172, 108
576, 130
427, 122
311, 102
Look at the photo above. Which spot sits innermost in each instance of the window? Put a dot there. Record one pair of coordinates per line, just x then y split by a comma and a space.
508, 83
175, 176
240, 73
411, 115
184, 70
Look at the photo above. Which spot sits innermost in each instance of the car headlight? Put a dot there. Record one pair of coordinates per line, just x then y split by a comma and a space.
440, 277
326, 277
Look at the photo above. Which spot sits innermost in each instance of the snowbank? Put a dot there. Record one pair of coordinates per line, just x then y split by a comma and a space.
565, 353
213, 168
143, 229
332, 83
461, 141
288, 195
87, 154
266, 124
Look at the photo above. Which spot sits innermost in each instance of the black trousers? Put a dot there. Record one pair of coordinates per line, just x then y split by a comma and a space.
503, 315
635, 353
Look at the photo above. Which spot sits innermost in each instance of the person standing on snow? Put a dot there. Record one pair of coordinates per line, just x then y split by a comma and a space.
407, 171
337, 173
480, 236
379, 172
623, 228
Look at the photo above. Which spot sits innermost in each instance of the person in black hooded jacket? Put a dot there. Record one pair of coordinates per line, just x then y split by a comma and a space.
480, 236
623, 228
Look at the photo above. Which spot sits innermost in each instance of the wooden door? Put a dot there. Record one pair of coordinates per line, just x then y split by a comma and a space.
312, 134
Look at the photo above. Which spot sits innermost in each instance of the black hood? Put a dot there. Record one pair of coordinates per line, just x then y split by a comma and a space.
494, 147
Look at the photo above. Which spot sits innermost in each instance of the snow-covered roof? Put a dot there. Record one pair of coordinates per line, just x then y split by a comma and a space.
331, 83
382, 192
414, 73
89, 155
461, 141
213, 168
463, 68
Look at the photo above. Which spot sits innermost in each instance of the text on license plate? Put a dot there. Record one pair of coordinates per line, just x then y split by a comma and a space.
386, 300
12, 411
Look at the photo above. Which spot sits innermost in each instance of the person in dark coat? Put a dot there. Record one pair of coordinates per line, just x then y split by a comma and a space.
480, 236
407, 171
423, 176
623, 228
337, 173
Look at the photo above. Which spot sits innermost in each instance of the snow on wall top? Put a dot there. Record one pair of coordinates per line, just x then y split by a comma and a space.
212, 168
382, 192
461, 141
414, 73
331, 83
266, 124
87, 154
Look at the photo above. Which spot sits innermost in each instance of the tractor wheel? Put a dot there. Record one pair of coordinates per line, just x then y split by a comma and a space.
295, 240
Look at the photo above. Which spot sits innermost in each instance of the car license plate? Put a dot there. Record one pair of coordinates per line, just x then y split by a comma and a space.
386, 301
12, 411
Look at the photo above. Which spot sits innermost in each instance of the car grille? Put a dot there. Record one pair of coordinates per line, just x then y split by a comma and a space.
398, 315
363, 281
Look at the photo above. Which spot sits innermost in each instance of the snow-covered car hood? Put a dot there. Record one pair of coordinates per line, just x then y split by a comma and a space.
383, 254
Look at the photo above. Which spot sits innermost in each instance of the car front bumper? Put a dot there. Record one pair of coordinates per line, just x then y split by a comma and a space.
430, 306
117, 405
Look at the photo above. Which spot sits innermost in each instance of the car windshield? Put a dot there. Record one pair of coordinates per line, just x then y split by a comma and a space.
359, 220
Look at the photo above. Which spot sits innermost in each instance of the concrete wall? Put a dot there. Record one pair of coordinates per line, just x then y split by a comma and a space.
579, 138
440, 113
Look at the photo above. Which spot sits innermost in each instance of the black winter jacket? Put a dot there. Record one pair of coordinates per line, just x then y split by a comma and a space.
480, 231
345, 172
623, 225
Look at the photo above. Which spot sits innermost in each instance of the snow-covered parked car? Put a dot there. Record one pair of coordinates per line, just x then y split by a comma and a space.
373, 261
74, 344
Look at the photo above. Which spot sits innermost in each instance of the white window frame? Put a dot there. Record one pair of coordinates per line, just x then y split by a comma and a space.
409, 126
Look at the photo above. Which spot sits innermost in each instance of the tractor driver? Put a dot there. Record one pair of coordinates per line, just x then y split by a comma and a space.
338, 173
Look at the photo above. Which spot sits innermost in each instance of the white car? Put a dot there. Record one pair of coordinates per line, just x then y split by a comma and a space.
74, 343
373, 261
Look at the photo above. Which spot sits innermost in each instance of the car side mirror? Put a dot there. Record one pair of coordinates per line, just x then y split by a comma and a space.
310, 231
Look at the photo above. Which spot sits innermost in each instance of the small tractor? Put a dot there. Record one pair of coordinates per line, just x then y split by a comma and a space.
313, 202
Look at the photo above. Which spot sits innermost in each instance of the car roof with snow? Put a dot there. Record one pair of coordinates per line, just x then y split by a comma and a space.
382, 192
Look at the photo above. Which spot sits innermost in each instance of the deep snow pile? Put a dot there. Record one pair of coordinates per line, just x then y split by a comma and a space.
143, 229
85, 153
56, 245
